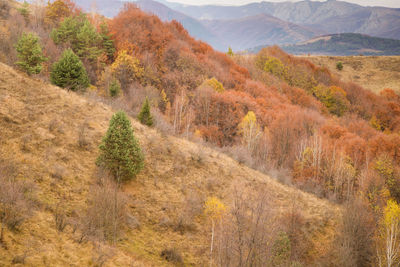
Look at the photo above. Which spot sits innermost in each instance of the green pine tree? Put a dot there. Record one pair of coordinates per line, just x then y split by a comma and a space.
80, 35
24, 11
120, 152
115, 88
145, 116
30, 55
69, 72
107, 42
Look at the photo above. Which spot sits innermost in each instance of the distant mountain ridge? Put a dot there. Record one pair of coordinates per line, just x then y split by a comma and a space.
330, 17
344, 44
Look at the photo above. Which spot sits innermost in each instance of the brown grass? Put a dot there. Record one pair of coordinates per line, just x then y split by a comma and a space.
371, 72
170, 188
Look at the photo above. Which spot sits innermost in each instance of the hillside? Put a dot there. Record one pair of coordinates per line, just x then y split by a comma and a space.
371, 72
344, 44
40, 126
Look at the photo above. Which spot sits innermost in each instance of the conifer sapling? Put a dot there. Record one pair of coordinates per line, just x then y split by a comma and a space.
69, 72
30, 55
145, 116
120, 152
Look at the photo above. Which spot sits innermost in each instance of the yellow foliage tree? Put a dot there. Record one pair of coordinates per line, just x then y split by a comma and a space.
333, 97
375, 123
250, 131
216, 85
56, 11
126, 69
213, 209
275, 67
389, 236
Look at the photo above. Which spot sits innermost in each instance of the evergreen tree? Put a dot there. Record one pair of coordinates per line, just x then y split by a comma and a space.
108, 43
69, 72
145, 115
24, 11
80, 35
120, 152
30, 55
115, 88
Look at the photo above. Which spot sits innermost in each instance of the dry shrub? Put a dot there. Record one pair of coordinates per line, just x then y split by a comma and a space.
19, 259
101, 255
60, 218
25, 141
172, 255
193, 206
14, 206
4, 9
83, 141
58, 172
161, 123
106, 215
240, 154
247, 232
199, 155
354, 245
55, 126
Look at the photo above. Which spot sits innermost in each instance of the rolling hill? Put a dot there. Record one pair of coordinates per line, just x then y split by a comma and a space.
344, 45
40, 127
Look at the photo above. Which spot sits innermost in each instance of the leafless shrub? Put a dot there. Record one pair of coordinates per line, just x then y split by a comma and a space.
199, 155
19, 259
161, 123
106, 215
192, 207
25, 141
4, 9
14, 207
353, 245
83, 141
240, 154
60, 218
58, 172
172, 255
132, 222
246, 235
54, 125
282, 175
101, 255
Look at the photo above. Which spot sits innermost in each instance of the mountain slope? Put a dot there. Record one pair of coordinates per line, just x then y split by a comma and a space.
260, 29
346, 44
329, 16
193, 26
40, 127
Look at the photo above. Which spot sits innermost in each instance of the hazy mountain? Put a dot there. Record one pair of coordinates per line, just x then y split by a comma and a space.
193, 26
344, 44
330, 16
260, 29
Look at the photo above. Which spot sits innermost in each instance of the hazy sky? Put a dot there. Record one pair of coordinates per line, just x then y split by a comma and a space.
387, 3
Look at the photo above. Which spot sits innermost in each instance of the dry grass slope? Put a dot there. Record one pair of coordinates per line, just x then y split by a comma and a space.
371, 72
39, 130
